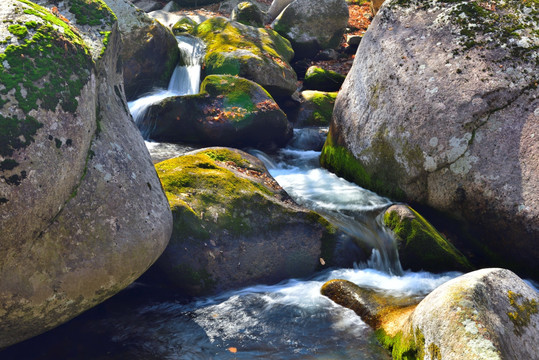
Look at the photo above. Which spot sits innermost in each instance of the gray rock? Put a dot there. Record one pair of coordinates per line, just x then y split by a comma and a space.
148, 5
82, 212
486, 314
248, 13
276, 7
149, 53
301, 23
445, 113
228, 111
234, 226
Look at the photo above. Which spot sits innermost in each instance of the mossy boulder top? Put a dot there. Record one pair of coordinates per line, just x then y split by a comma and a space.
82, 212
316, 109
248, 13
312, 27
258, 54
228, 111
420, 245
317, 78
442, 109
234, 226
149, 53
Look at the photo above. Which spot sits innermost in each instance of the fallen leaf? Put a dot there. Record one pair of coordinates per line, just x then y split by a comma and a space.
233, 350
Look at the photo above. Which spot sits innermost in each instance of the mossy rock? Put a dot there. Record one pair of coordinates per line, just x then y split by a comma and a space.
248, 13
228, 111
316, 108
312, 28
421, 246
317, 78
233, 224
258, 54
185, 25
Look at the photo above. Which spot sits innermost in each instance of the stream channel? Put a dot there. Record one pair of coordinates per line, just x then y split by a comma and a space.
289, 320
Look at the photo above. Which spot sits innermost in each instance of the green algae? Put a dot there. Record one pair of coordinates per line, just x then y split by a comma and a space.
402, 347
421, 246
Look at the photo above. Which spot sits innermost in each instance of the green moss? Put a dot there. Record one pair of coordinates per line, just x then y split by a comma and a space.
19, 31
421, 246
106, 39
321, 79
185, 25
16, 134
401, 347
201, 182
524, 309
341, 161
322, 106
91, 12
223, 37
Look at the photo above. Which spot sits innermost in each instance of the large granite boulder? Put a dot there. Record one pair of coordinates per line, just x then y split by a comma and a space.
234, 226
442, 108
486, 314
82, 211
149, 52
312, 27
257, 54
228, 111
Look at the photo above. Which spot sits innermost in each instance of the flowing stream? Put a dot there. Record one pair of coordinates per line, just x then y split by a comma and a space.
290, 320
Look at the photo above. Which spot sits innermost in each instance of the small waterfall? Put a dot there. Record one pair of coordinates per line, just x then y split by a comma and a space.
185, 80
356, 211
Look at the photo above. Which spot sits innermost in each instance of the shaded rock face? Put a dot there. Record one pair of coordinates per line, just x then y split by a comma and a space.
316, 109
149, 52
421, 246
442, 109
486, 314
82, 211
248, 13
228, 111
311, 28
233, 225
257, 54
317, 78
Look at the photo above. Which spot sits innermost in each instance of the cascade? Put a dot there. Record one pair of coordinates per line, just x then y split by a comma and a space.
185, 80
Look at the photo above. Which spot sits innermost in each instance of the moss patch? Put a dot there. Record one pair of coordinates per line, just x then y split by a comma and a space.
524, 309
321, 79
341, 161
91, 12
321, 104
421, 246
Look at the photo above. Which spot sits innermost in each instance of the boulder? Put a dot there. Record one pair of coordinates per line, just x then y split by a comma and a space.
195, 3
183, 26
301, 23
148, 5
254, 53
149, 52
420, 245
234, 226
487, 314
442, 109
248, 13
275, 9
315, 109
317, 78
228, 111
82, 211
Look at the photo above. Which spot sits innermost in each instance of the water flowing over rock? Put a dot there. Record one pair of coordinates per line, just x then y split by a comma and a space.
234, 225
149, 51
441, 108
257, 54
228, 111
82, 211
312, 27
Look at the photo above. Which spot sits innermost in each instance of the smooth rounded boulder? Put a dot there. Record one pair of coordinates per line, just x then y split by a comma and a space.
442, 109
149, 52
228, 111
312, 27
82, 211
234, 226
257, 54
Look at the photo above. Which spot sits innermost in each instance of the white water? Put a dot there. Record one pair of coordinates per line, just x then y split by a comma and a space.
185, 80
